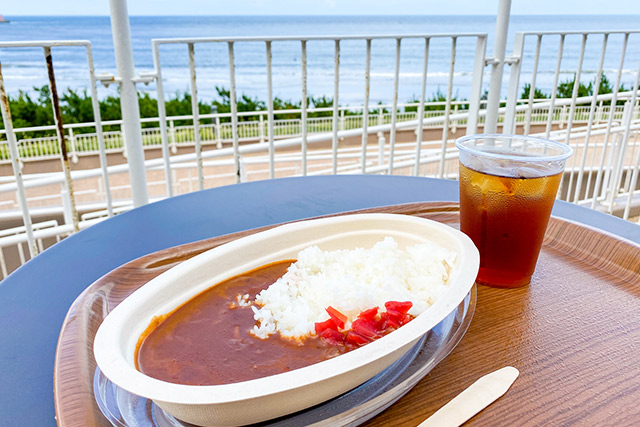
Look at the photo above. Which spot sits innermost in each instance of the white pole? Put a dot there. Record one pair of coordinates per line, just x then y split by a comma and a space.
336, 84
365, 110
497, 66
394, 107
17, 171
97, 118
195, 112
476, 85
129, 101
162, 117
272, 173
303, 104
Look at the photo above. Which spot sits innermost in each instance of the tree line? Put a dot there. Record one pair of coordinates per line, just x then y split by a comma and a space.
565, 89
32, 109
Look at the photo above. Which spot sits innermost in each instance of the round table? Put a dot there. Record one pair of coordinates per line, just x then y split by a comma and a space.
36, 297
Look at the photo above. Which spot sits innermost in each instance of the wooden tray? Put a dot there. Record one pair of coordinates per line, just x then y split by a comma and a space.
574, 334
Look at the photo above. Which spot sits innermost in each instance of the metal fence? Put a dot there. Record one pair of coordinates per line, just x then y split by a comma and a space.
480, 41
602, 127
616, 156
255, 128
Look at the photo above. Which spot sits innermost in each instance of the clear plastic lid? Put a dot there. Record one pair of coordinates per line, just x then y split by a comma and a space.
513, 155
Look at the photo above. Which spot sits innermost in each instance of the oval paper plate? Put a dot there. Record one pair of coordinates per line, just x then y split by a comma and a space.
270, 397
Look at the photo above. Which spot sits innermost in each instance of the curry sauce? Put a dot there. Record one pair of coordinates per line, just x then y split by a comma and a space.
207, 340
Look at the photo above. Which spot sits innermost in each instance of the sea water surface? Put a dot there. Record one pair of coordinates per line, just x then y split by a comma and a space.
24, 68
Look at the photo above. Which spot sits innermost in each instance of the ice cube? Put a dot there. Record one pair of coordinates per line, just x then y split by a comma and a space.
491, 183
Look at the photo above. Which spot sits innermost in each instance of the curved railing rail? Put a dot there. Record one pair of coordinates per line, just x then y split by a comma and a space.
255, 129
220, 149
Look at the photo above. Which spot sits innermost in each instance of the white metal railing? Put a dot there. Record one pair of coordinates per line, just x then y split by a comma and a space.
59, 126
610, 160
256, 130
250, 149
604, 132
268, 42
16, 236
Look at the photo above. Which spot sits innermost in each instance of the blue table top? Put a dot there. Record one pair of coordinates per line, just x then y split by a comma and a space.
35, 298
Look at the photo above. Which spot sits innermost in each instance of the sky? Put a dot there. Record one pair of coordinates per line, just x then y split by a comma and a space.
322, 7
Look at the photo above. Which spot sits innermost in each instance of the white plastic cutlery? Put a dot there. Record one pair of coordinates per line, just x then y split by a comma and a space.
473, 399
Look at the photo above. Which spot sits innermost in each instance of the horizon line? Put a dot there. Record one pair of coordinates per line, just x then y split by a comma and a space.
319, 15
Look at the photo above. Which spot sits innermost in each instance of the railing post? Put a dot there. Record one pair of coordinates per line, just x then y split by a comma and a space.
3, 264
162, 119
454, 123
67, 206
123, 139
420, 111
510, 124
16, 166
218, 133
269, 57
627, 136
243, 169
101, 191
129, 101
619, 153
174, 179
381, 144
599, 112
234, 111
195, 112
365, 110
476, 85
72, 141
497, 66
190, 181
57, 116
261, 129
97, 118
172, 137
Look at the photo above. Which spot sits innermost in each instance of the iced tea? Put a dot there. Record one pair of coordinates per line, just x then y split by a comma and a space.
506, 217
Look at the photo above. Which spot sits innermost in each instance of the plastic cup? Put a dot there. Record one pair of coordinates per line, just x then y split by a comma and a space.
508, 184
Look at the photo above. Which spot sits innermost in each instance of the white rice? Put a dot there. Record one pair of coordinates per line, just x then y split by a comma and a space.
351, 281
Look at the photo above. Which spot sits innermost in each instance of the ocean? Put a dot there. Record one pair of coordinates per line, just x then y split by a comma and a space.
24, 68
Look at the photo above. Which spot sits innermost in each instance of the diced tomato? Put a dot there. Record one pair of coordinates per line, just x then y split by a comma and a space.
370, 324
402, 307
397, 313
383, 323
384, 320
404, 319
369, 314
394, 314
367, 328
397, 319
391, 319
355, 338
377, 321
327, 324
332, 336
339, 318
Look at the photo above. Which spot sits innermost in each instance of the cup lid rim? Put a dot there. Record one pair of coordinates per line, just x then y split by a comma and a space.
567, 149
